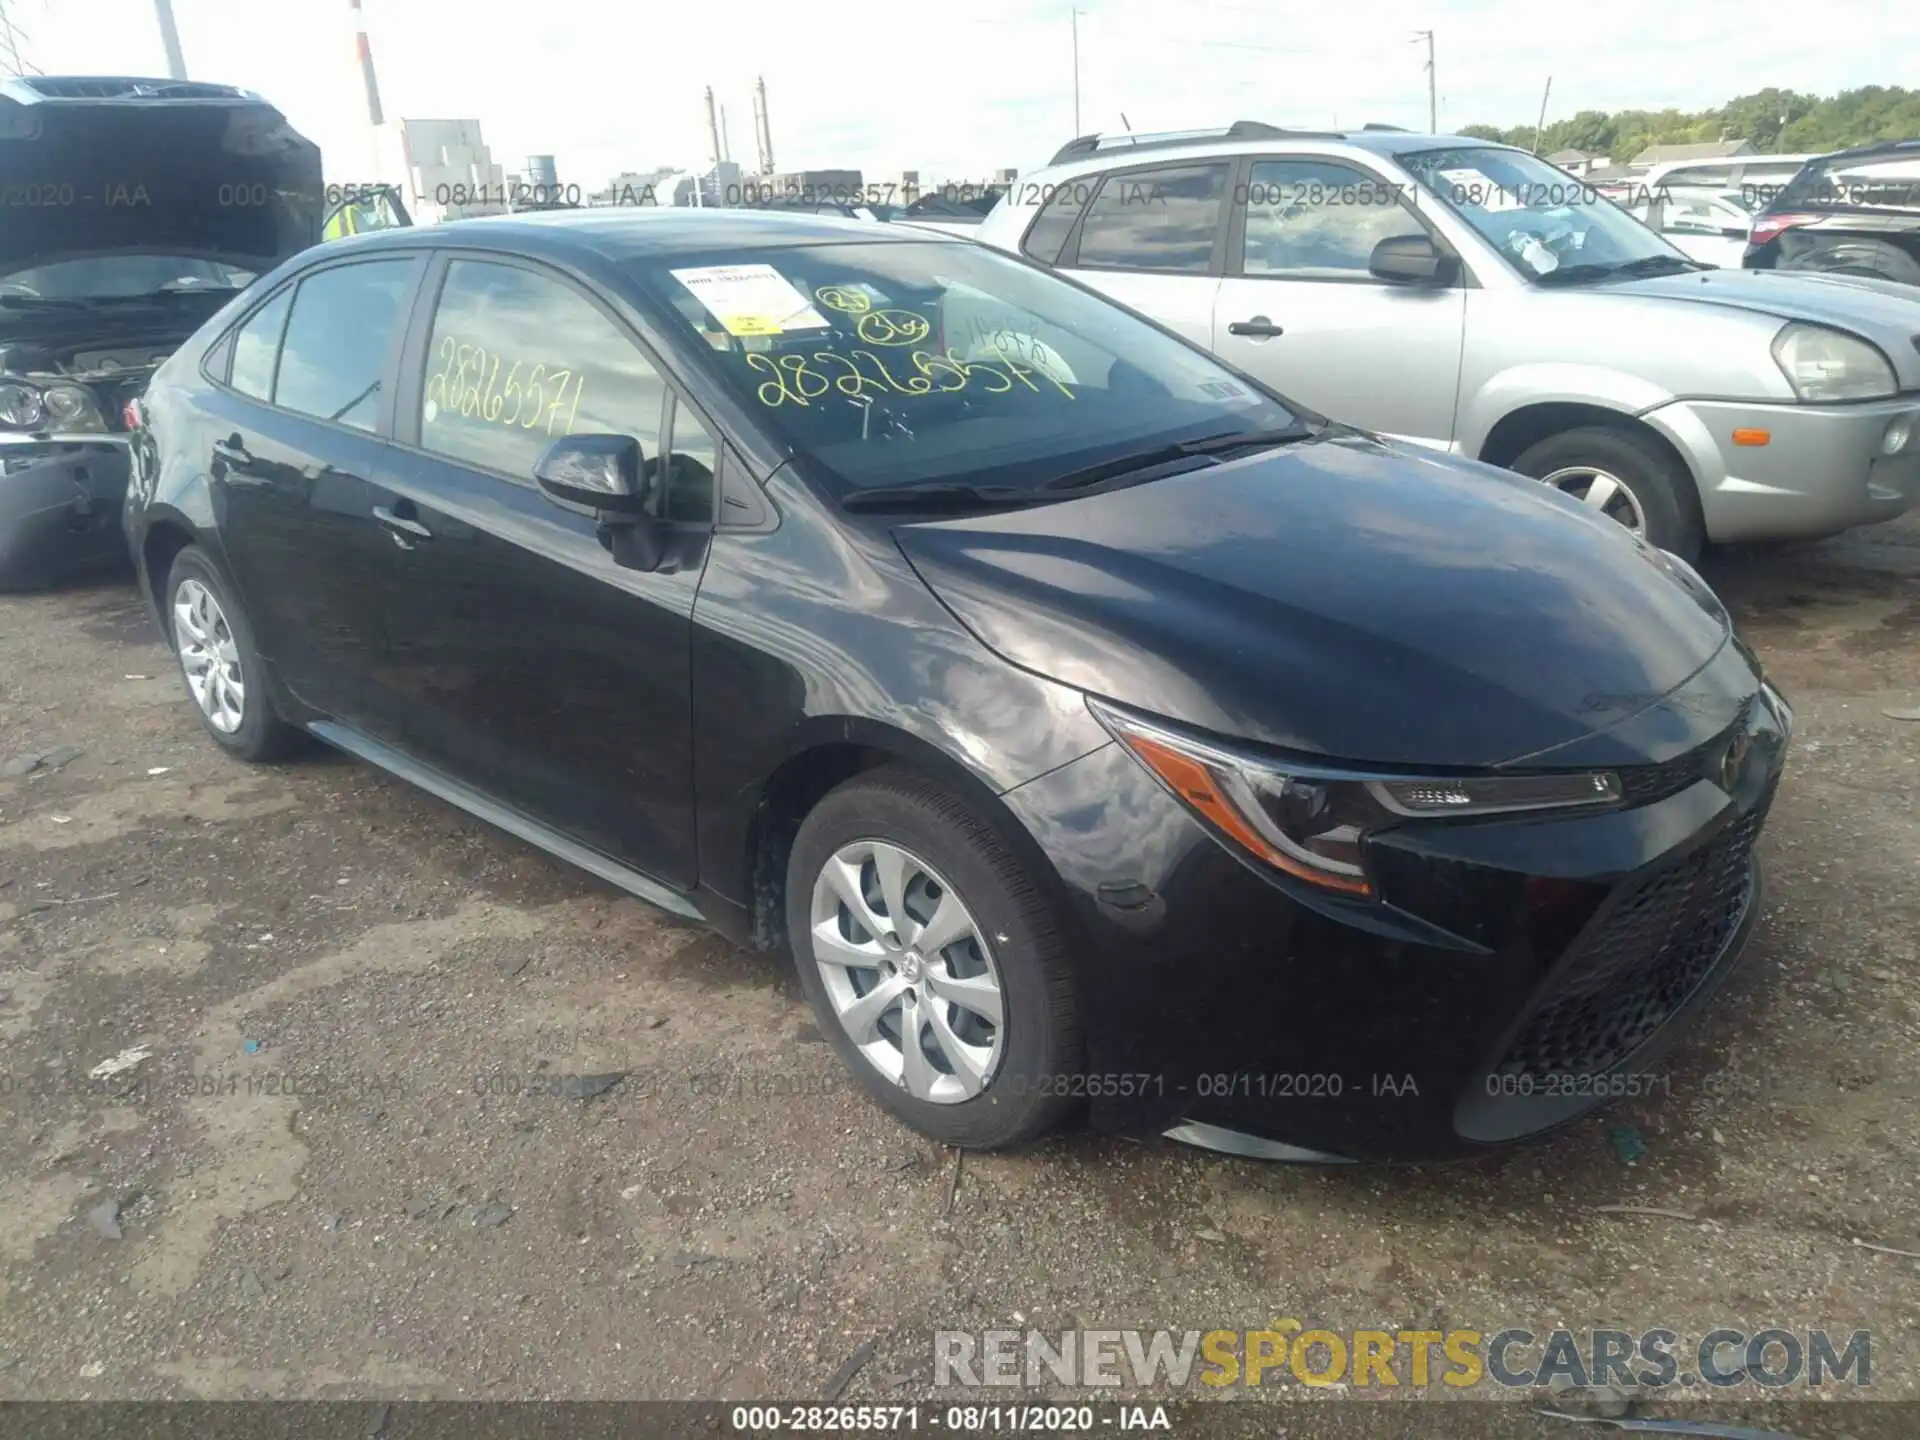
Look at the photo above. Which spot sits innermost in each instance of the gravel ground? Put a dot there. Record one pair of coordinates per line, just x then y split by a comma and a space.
373, 1149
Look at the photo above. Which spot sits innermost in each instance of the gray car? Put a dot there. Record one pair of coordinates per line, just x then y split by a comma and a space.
1472, 298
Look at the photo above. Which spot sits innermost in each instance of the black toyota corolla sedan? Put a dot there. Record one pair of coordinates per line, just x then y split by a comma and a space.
1096, 729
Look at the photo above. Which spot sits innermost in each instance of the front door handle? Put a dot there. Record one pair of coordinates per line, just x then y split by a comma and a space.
404, 528
233, 450
1259, 328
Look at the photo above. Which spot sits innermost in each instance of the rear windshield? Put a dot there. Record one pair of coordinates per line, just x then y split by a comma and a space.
1851, 182
902, 363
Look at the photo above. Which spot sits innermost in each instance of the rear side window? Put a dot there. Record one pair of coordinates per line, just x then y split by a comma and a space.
1163, 220
518, 359
339, 338
256, 345
1060, 207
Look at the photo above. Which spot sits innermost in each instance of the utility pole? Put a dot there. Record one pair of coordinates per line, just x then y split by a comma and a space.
1075, 20
1433, 87
1543, 115
170, 37
364, 49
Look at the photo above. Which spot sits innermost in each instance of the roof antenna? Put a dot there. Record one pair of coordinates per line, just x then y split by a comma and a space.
1123, 123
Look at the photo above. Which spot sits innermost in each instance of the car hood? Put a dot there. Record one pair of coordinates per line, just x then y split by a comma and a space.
1884, 310
1343, 598
223, 181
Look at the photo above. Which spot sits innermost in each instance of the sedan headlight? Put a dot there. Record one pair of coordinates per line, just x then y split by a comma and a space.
1823, 364
20, 406
1311, 821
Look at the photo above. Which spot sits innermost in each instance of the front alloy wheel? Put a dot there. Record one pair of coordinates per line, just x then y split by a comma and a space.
1599, 491
209, 656
907, 971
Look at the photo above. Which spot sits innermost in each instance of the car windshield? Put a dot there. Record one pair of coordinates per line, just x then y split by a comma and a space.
1840, 182
908, 363
1540, 219
120, 277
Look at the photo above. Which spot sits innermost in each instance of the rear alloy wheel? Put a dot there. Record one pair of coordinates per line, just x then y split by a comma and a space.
214, 645
932, 963
1629, 478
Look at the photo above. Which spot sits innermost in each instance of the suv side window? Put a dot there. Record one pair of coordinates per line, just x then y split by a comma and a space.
256, 345
518, 359
1163, 220
1058, 210
1319, 220
339, 339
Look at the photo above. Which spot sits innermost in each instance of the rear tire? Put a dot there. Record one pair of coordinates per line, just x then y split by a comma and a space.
1658, 491
213, 646
990, 928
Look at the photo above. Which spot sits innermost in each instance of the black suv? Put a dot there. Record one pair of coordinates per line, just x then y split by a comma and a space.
1856, 212
130, 211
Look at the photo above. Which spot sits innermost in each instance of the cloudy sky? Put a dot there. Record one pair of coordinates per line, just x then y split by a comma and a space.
959, 89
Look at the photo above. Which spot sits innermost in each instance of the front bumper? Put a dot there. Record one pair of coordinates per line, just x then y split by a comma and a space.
1822, 470
60, 504
1519, 973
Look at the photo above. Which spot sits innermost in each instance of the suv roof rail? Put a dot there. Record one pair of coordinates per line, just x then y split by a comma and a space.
1085, 145
117, 87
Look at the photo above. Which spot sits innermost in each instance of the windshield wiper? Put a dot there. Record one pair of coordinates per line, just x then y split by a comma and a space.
1180, 450
1660, 265
940, 495
1645, 265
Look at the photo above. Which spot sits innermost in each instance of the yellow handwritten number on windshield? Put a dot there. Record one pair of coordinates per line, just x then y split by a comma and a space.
893, 327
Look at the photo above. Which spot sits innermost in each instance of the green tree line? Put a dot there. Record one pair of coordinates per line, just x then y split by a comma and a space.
1775, 121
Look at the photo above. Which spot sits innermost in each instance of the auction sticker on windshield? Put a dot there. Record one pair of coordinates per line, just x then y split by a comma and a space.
751, 299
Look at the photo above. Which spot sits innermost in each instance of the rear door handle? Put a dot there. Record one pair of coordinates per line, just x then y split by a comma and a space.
404, 528
1259, 327
233, 450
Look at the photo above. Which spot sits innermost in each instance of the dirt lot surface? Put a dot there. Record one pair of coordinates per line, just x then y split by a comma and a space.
360, 1159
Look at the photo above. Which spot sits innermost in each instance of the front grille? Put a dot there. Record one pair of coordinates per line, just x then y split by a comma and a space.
1650, 953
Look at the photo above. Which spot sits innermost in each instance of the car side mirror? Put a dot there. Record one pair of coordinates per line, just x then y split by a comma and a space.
605, 473
1410, 260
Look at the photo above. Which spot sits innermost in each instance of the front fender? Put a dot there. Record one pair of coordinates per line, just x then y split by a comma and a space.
1520, 387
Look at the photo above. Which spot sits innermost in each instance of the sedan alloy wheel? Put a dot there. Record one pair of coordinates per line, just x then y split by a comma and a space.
209, 656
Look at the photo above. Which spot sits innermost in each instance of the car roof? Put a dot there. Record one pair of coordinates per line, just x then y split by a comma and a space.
622, 233
1126, 152
1878, 148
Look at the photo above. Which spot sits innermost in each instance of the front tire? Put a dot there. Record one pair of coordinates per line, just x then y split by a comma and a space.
213, 645
1628, 477
933, 963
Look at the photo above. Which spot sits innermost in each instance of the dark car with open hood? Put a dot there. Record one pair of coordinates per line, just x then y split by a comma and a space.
1097, 731
130, 211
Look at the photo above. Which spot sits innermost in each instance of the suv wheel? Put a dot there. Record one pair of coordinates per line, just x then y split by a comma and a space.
1625, 476
214, 645
932, 962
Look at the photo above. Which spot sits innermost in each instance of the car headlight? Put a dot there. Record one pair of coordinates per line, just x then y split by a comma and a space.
20, 406
71, 408
1823, 364
1311, 821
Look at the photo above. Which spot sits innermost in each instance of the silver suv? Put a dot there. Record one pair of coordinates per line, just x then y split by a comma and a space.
1469, 297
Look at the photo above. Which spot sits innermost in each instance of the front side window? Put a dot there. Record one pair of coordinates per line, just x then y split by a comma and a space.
1317, 220
518, 359
256, 346
1551, 228
1163, 220
339, 338
889, 363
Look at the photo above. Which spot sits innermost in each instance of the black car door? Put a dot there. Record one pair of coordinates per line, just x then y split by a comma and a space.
298, 425
531, 665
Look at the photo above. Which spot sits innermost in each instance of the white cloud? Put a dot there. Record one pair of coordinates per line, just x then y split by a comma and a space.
954, 90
